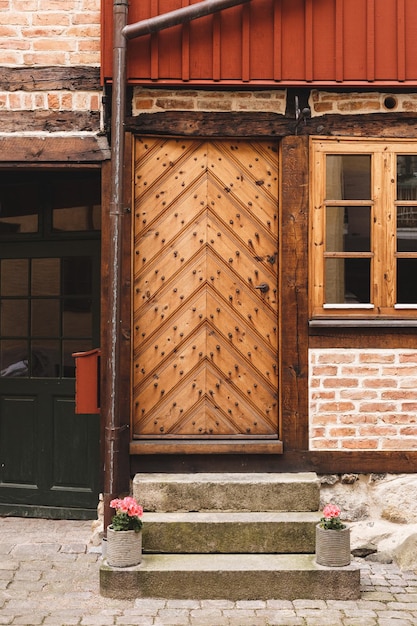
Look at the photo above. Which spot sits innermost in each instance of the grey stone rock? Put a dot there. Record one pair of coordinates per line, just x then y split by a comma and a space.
406, 553
329, 479
374, 478
393, 514
349, 479
365, 550
380, 557
358, 513
396, 497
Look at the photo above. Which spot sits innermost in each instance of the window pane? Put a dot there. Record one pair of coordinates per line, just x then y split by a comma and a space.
77, 276
45, 359
406, 177
45, 318
407, 229
14, 359
77, 318
348, 229
14, 277
19, 203
45, 277
79, 218
406, 281
14, 318
19, 224
347, 281
348, 177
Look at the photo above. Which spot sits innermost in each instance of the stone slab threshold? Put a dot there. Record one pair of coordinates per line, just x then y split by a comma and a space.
232, 577
225, 532
227, 492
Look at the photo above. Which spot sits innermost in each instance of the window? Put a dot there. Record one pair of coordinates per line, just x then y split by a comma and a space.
363, 229
50, 204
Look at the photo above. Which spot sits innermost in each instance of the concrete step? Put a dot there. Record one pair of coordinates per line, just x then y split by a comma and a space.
227, 492
233, 577
230, 532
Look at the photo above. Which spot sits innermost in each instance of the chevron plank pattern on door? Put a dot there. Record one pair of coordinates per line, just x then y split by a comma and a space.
205, 282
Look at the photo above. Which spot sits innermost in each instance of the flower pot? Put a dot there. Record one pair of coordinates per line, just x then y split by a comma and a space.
333, 547
124, 547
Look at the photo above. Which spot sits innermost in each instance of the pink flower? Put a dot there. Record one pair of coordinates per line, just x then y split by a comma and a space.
127, 505
331, 510
128, 514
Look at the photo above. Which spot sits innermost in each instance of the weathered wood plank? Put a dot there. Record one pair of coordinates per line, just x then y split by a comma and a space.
205, 447
291, 461
355, 461
49, 78
57, 149
258, 124
197, 124
49, 121
294, 304
363, 338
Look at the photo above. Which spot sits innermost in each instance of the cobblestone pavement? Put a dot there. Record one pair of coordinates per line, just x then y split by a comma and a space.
49, 574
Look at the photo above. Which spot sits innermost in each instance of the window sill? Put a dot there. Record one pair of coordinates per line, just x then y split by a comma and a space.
343, 322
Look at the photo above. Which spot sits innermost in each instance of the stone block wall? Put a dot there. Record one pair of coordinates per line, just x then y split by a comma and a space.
158, 100
355, 103
363, 399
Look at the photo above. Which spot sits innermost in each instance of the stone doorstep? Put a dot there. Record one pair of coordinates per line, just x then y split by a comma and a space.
227, 492
232, 577
230, 532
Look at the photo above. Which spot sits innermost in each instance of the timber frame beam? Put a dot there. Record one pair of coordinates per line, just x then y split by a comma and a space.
246, 124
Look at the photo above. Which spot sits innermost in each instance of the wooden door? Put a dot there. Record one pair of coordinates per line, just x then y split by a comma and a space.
205, 362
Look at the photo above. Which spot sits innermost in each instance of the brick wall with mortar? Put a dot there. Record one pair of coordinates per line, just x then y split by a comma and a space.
363, 399
327, 102
46, 33
158, 100
146, 100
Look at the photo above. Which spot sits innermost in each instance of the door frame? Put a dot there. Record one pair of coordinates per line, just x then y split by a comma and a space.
293, 228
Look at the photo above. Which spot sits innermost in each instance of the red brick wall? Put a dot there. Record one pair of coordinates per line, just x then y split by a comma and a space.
363, 399
49, 32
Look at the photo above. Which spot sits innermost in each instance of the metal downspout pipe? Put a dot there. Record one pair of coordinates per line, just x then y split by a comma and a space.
114, 422
115, 446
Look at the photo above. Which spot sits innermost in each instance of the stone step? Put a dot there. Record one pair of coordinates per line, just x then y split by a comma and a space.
227, 492
230, 532
232, 577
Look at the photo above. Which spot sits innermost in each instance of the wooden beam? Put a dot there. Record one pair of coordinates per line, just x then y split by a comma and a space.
359, 462
54, 78
293, 290
256, 124
49, 121
210, 446
53, 149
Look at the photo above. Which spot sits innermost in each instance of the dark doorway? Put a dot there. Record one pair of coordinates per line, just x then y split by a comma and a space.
50, 308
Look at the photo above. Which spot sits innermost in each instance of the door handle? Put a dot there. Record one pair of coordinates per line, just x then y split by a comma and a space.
263, 287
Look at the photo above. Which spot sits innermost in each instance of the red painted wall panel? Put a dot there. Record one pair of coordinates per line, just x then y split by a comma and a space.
288, 42
411, 40
386, 38
354, 38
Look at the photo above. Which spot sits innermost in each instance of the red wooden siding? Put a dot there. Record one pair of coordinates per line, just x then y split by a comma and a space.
291, 42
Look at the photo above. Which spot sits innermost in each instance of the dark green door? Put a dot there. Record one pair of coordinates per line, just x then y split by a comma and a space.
49, 298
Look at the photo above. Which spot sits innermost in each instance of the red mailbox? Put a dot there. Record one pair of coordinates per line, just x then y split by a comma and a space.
87, 381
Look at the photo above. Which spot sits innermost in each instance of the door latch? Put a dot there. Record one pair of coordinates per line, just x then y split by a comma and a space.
263, 287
